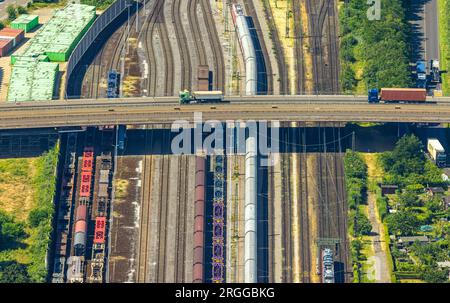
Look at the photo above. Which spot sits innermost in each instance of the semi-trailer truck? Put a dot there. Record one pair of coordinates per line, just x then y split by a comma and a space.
437, 152
186, 97
397, 95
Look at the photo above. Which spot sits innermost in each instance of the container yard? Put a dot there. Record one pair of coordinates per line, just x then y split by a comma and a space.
25, 22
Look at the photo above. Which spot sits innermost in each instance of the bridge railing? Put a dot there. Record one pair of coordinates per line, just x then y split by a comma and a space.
105, 19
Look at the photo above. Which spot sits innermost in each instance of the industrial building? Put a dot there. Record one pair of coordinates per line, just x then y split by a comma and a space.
60, 35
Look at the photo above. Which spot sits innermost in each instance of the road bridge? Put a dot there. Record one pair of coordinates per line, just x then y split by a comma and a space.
166, 110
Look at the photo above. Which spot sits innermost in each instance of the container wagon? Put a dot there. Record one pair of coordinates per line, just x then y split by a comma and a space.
435, 74
398, 95
327, 266
203, 78
437, 152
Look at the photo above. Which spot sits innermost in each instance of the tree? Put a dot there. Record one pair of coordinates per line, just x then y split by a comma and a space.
36, 216
11, 11
21, 10
403, 223
434, 274
363, 226
13, 272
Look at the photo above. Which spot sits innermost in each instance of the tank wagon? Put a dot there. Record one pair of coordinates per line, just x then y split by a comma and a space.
199, 220
250, 216
247, 48
327, 266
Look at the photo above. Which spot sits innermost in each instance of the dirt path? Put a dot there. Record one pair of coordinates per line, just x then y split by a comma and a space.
380, 270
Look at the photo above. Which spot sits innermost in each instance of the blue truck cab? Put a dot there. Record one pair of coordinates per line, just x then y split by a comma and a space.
373, 96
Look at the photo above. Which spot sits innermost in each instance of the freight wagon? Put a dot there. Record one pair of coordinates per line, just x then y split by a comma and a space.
398, 95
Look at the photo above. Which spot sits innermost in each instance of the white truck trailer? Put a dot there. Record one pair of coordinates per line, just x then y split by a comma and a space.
437, 152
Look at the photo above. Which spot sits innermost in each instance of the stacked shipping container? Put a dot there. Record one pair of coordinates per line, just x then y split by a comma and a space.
25, 22
9, 38
33, 79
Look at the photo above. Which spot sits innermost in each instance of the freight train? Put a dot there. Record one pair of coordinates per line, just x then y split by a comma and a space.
327, 266
247, 48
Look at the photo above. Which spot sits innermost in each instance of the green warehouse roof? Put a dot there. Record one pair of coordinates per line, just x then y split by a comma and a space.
25, 22
59, 36
32, 80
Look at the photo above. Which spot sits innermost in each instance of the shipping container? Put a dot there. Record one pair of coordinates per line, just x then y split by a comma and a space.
403, 94
86, 177
203, 85
25, 22
100, 230
5, 47
16, 34
87, 164
85, 190
81, 213
203, 72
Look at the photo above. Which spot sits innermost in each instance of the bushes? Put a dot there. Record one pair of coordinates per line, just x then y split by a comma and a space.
381, 45
13, 272
101, 4
41, 216
10, 231
355, 178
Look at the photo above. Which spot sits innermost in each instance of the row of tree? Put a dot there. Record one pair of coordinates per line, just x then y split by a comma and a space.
379, 47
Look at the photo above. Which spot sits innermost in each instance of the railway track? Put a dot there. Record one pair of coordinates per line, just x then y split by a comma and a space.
300, 83
219, 64
305, 239
325, 56
144, 227
286, 213
281, 60
185, 55
181, 222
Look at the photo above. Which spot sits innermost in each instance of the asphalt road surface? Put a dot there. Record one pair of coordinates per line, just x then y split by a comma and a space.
431, 30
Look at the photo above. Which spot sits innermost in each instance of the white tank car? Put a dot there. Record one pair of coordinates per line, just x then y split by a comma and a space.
250, 211
247, 48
